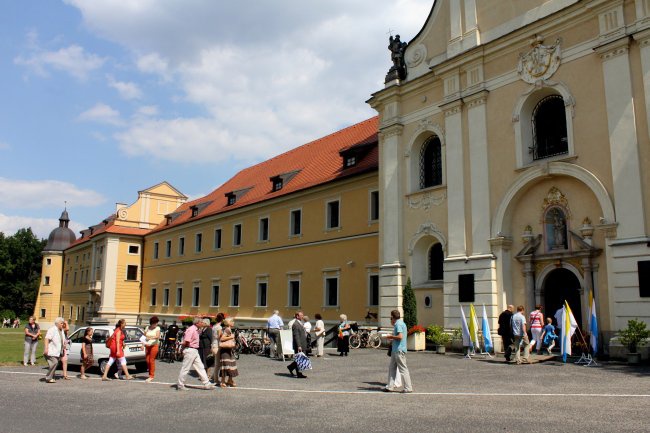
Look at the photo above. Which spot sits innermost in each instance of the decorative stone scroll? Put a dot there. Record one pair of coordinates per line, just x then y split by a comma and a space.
541, 62
426, 200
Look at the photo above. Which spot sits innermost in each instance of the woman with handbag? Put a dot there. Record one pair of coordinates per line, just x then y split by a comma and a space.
152, 335
343, 342
32, 332
116, 344
227, 362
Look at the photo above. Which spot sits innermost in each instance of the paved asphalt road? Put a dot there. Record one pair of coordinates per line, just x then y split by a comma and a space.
341, 394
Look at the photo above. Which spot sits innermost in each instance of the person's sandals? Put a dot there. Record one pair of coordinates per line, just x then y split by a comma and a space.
106, 379
66, 377
149, 379
223, 385
50, 381
83, 376
232, 384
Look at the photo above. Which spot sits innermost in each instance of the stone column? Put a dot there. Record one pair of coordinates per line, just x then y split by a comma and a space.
623, 139
392, 273
455, 179
109, 277
479, 173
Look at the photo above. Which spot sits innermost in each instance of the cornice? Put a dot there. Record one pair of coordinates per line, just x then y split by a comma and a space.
613, 49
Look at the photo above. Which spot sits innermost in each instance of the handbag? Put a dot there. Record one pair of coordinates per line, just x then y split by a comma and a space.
228, 344
302, 361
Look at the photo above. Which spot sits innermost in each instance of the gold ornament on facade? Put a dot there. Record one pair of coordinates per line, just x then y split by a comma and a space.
555, 197
541, 62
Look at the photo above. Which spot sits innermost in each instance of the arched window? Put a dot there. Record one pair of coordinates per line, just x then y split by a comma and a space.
549, 128
431, 163
436, 258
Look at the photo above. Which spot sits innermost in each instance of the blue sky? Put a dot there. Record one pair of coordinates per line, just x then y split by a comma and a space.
102, 98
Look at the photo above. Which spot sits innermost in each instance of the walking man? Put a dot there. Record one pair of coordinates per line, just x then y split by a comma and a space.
398, 354
274, 325
520, 335
505, 330
54, 342
299, 342
191, 356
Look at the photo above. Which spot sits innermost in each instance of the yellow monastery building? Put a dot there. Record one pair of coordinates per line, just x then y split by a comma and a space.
299, 231
511, 158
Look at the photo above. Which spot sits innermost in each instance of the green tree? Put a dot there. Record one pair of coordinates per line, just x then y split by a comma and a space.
409, 305
20, 271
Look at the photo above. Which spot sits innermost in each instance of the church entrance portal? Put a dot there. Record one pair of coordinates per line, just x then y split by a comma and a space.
560, 285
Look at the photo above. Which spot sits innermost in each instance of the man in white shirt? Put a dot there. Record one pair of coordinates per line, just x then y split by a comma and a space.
54, 341
274, 325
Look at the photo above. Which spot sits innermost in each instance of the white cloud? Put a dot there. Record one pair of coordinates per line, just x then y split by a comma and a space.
299, 71
126, 90
146, 111
73, 60
41, 227
101, 113
29, 194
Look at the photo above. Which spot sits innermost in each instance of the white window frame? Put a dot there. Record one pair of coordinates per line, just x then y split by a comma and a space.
196, 295
179, 296
295, 279
217, 284
153, 297
168, 248
214, 238
292, 233
198, 242
258, 293
137, 273
165, 299
326, 294
234, 234
156, 251
259, 229
327, 214
181, 246
128, 249
234, 283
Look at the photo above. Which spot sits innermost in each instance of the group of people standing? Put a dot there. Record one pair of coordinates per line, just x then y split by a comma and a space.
513, 329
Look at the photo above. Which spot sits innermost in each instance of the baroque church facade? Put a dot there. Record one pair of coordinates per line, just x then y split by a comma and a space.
514, 154
507, 165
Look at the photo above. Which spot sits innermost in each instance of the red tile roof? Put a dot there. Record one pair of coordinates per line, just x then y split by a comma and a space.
317, 163
108, 227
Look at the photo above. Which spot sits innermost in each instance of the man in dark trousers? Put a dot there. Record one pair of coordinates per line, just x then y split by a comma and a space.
299, 342
505, 330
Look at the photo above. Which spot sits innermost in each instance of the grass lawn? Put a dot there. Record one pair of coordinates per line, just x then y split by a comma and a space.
12, 347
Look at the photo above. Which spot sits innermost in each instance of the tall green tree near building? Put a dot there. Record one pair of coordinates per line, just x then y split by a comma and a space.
20, 271
409, 305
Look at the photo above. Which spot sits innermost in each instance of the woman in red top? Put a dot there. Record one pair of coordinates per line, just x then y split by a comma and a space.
117, 350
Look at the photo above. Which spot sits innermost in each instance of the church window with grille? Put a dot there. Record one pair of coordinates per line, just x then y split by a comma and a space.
431, 163
549, 128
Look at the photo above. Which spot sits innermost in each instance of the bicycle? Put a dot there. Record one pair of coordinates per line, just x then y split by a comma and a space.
365, 338
259, 345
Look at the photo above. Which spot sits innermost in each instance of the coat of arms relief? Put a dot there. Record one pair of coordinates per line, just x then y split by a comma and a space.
541, 62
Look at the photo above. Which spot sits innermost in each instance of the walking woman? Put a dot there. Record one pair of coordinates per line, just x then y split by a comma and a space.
227, 362
216, 337
152, 334
32, 332
64, 350
536, 327
343, 342
87, 358
117, 350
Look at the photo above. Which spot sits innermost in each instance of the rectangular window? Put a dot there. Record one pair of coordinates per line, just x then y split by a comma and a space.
217, 239
43, 313
153, 296
264, 229
181, 246
198, 242
134, 249
78, 313
83, 313
644, 278
466, 288
62, 310
215, 295
234, 295
236, 234
132, 273
166, 297
179, 296
155, 250
47, 281
261, 294
168, 249
66, 278
373, 290
374, 205
295, 228
331, 292
74, 279
333, 214
294, 293
71, 308
48, 262
195, 296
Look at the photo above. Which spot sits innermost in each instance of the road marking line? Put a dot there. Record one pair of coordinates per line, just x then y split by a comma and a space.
374, 392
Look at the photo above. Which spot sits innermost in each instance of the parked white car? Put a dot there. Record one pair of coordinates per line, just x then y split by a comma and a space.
133, 351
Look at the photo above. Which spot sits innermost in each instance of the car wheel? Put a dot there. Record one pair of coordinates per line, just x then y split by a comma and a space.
103, 363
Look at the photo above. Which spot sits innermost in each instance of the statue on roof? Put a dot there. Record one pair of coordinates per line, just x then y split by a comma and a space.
396, 48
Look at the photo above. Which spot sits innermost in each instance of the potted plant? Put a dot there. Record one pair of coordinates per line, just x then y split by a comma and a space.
457, 339
437, 335
631, 337
416, 338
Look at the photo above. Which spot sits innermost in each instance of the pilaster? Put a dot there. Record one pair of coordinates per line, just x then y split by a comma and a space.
109, 277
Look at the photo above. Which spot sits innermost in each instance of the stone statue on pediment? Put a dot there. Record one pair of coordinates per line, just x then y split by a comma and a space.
396, 48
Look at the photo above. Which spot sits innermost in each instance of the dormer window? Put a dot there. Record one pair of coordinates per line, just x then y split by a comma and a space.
168, 219
353, 155
195, 211
277, 184
351, 161
232, 199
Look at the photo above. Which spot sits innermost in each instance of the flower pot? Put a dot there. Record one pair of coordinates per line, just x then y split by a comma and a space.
634, 358
440, 350
416, 342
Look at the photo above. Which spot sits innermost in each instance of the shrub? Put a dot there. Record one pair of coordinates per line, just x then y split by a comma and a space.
409, 305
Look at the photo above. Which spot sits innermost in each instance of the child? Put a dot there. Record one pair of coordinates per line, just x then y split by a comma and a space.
86, 352
548, 335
